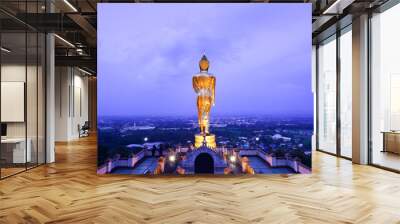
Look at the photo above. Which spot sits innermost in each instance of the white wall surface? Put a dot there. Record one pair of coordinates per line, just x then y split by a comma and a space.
13, 108
71, 102
12, 101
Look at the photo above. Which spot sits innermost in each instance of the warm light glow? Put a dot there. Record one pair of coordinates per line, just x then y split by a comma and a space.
70, 5
204, 87
172, 158
210, 141
232, 158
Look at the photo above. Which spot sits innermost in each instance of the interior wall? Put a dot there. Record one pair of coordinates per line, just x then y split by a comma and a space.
71, 102
13, 73
80, 102
61, 103
33, 126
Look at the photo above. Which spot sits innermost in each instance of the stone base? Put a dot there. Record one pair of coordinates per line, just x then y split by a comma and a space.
209, 140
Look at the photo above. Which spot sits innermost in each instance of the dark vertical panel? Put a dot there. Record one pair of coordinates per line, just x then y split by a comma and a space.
317, 96
46, 3
37, 91
60, 86
369, 100
26, 86
45, 94
73, 91
80, 102
338, 91
92, 103
69, 95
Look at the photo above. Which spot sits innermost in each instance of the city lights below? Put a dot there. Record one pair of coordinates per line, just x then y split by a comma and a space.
170, 149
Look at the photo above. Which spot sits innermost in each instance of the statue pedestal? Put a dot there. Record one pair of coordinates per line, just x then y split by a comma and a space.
205, 140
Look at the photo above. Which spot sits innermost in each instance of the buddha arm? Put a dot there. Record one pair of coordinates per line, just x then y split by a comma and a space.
195, 84
213, 90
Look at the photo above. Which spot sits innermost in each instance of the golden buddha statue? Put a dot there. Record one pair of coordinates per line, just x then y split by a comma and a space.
204, 86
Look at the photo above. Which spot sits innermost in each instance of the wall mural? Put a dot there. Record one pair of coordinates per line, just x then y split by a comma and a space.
204, 89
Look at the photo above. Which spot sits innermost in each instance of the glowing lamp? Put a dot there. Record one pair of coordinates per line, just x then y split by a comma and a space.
172, 158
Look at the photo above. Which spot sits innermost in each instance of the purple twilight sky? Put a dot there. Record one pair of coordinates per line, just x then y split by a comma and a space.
259, 53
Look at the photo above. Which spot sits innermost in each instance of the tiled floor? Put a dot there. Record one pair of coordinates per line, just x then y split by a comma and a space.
148, 164
260, 166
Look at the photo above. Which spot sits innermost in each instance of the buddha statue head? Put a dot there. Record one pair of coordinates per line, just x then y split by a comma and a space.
204, 64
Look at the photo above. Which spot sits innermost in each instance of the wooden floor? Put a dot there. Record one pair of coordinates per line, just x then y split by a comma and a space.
69, 191
5, 172
386, 159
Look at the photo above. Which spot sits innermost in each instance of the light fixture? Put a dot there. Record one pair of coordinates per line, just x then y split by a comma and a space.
79, 51
172, 158
232, 158
257, 138
337, 7
5, 50
70, 5
84, 71
64, 40
146, 139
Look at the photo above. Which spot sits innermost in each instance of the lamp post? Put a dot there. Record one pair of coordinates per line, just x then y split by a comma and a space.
232, 158
172, 158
